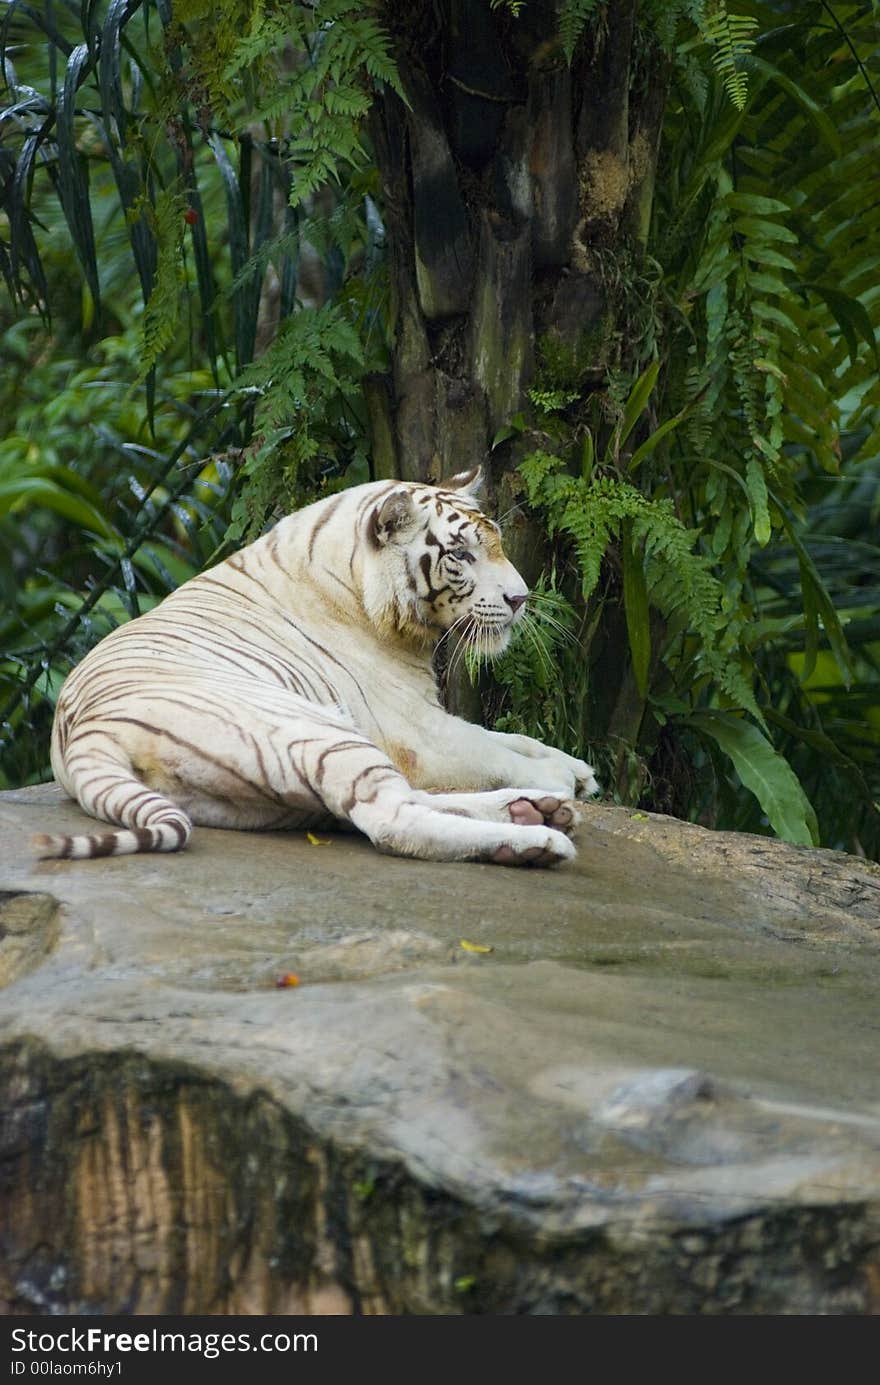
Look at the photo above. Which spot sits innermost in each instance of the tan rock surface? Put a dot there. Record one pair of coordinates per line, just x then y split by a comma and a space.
659, 1092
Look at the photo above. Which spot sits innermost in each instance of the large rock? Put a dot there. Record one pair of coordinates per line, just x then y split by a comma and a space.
658, 1092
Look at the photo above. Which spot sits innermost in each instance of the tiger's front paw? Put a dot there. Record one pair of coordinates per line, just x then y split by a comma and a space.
534, 846
586, 783
568, 777
548, 810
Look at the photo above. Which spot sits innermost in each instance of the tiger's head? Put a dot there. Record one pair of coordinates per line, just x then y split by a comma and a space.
440, 565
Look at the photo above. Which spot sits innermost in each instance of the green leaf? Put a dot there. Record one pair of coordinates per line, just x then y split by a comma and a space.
811, 626
762, 254
23, 245
509, 430
825, 746
765, 772
816, 592
113, 127
588, 455
755, 229
852, 319
239, 250
755, 205
729, 471
633, 409
43, 18
767, 283
635, 601
757, 489
811, 109
648, 446
73, 185
35, 490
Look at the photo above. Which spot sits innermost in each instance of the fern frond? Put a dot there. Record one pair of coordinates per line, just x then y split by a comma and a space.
573, 18
162, 309
316, 359
731, 37
680, 582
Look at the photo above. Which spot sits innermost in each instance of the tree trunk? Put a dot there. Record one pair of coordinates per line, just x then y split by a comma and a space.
508, 181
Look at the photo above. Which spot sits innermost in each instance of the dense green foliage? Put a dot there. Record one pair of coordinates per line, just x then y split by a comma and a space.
713, 503
714, 489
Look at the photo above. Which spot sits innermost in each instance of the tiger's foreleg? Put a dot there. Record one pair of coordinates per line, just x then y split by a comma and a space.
449, 753
358, 783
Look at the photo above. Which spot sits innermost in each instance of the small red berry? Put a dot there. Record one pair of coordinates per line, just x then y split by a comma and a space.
190, 216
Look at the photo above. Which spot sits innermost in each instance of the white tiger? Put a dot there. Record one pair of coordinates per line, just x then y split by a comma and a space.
291, 686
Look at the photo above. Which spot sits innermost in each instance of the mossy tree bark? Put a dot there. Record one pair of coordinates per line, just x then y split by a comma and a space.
508, 180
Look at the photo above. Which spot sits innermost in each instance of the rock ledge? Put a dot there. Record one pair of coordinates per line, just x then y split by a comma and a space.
658, 1092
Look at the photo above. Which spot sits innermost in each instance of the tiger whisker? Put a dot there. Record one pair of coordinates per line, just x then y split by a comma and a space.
515, 509
465, 642
546, 617
529, 632
564, 633
454, 626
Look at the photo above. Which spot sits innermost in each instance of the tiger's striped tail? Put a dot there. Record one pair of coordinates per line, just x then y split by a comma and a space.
170, 835
142, 819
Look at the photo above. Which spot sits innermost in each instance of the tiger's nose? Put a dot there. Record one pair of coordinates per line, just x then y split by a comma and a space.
514, 602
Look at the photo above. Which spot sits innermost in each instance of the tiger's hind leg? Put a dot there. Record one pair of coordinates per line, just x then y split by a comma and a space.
100, 776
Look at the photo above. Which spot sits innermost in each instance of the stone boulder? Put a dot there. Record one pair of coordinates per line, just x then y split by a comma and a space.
646, 1082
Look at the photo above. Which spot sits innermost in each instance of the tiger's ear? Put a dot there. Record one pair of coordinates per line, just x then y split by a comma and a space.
471, 482
394, 514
